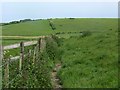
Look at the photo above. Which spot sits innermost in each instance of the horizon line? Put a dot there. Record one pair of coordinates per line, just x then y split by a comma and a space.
55, 18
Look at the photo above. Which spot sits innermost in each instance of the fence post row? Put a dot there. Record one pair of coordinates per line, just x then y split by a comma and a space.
38, 47
21, 55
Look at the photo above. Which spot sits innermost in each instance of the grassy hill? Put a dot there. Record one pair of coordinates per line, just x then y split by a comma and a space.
30, 28
42, 27
88, 50
64, 28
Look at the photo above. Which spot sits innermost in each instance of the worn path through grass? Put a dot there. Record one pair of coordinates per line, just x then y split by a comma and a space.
54, 78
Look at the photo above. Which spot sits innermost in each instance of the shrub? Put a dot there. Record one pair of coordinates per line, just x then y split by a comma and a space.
85, 33
52, 25
71, 18
57, 33
52, 48
57, 40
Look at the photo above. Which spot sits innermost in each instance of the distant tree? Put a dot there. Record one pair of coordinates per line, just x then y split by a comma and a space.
25, 20
71, 18
14, 22
5, 24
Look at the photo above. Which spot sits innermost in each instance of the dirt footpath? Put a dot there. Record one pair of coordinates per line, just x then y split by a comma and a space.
54, 78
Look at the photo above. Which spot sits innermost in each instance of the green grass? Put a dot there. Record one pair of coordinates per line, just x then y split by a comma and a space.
91, 61
88, 60
42, 27
31, 28
85, 24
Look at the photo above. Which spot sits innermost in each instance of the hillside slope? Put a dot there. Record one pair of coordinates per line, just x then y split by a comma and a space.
63, 27
42, 27
30, 28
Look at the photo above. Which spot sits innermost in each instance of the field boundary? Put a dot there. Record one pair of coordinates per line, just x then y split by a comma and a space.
38, 46
18, 45
25, 37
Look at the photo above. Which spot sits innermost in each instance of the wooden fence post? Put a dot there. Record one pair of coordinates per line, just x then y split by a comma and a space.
21, 55
29, 54
39, 42
6, 74
43, 44
1, 58
34, 54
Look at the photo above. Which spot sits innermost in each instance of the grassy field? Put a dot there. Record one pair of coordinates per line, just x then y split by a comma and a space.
30, 28
88, 50
42, 27
90, 61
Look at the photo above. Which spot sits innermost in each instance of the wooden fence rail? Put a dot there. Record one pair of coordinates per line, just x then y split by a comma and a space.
30, 43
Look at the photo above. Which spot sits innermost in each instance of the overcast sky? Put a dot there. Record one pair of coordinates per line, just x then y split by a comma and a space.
35, 10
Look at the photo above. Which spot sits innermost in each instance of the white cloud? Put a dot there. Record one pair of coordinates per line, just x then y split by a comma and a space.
60, 0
